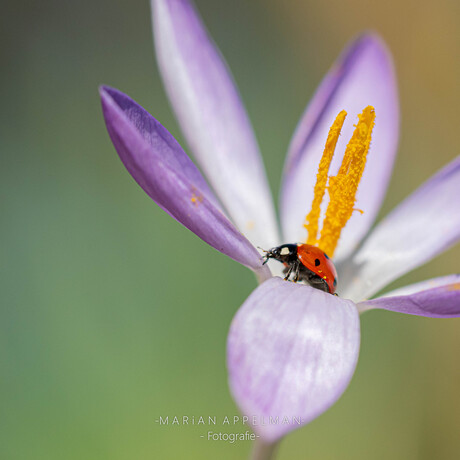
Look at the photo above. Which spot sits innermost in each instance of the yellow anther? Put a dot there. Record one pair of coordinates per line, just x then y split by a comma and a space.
311, 220
196, 199
343, 187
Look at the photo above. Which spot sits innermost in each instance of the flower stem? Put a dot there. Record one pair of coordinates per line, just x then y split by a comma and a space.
263, 450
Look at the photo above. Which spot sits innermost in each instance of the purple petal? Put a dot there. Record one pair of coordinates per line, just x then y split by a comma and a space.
160, 166
213, 119
421, 227
291, 352
363, 76
435, 298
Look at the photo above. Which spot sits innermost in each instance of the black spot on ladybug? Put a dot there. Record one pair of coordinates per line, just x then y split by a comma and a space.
317, 262
325, 255
335, 282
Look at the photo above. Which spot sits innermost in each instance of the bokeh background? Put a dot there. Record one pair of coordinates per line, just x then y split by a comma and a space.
113, 314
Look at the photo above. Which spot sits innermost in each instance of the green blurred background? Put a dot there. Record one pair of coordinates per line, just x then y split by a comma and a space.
113, 314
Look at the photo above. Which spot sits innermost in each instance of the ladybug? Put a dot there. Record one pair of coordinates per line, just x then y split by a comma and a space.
308, 263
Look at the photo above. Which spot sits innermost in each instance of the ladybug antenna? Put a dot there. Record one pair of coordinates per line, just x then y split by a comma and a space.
266, 256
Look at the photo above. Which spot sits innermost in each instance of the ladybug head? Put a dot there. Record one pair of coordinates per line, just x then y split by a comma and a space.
282, 253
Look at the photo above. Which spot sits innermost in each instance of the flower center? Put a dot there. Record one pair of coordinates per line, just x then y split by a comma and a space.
342, 188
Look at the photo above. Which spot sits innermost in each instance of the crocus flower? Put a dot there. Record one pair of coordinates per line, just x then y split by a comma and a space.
292, 349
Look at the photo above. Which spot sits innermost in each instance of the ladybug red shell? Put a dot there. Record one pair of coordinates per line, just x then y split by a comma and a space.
319, 263
307, 263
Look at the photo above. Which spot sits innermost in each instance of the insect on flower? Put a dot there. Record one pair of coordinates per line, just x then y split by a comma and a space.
292, 349
309, 261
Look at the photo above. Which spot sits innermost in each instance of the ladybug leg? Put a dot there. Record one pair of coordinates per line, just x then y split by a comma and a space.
288, 271
297, 271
